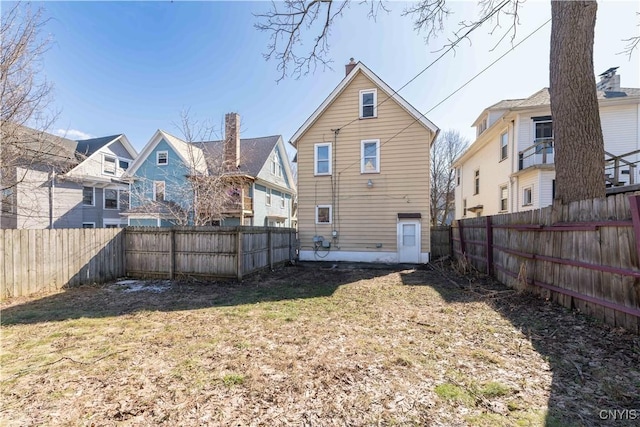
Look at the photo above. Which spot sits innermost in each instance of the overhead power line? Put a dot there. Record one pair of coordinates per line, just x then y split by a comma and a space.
423, 115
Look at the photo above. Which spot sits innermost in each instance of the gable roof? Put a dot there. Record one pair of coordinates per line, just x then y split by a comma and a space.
87, 147
190, 154
254, 152
542, 98
39, 147
361, 68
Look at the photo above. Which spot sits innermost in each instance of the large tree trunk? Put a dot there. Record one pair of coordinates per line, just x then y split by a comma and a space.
579, 152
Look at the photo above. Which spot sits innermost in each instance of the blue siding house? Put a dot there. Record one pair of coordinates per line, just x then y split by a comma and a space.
229, 182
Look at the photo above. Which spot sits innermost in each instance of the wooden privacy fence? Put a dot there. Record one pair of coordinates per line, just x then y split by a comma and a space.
583, 255
206, 252
37, 261
440, 241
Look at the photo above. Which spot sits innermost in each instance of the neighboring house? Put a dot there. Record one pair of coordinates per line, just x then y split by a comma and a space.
60, 183
510, 167
231, 182
363, 175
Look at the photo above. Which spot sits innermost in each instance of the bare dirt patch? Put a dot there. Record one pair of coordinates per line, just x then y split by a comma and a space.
312, 346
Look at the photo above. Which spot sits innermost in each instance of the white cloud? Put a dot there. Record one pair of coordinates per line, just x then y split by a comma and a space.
73, 134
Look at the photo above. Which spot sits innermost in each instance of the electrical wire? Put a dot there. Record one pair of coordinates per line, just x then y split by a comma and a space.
423, 115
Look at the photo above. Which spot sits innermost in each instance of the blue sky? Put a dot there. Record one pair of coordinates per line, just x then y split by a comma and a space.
133, 67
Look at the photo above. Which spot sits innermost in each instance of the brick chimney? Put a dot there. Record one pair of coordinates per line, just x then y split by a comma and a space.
609, 81
350, 66
232, 140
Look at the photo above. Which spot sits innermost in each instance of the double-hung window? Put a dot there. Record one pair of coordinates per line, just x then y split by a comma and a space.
504, 145
476, 182
88, 196
322, 159
267, 197
162, 158
110, 198
276, 169
368, 103
282, 203
109, 165
527, 196
8, 200
504, 198
370, 155
158, 191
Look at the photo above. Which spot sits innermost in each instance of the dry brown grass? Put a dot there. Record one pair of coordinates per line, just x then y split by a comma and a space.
309, 346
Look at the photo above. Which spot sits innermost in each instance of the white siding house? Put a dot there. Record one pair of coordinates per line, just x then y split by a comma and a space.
510, 166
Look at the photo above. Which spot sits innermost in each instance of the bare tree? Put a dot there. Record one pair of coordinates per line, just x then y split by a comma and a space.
25, 97
446, 149
205, 190
578, 136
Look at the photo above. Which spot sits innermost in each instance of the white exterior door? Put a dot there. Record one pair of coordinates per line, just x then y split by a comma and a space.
409, 241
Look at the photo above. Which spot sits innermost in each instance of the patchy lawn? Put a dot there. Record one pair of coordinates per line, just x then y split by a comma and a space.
317, 347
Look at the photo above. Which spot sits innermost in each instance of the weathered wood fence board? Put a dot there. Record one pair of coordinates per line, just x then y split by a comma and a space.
440, 241
205, 252
583, 256
40, 261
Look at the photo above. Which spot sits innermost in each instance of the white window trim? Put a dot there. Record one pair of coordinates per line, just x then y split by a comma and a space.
530, 188
506, 187
93, 224
330, 214
476, 177
115, 164
276, 167
154, 191
111, 221
315, 158
362, 164
375, 103
123, 160
267, 200
506, 145
104, 199
282, 203
93, 198
158, 158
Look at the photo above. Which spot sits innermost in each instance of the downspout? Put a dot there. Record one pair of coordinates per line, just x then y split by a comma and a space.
514, 168
52, 187
334, 177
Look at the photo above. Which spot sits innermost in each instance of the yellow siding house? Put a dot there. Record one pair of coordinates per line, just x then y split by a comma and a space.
363, 175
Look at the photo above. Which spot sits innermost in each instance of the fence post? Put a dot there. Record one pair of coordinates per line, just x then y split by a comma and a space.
489, 229
172, 253
270, 248
239, 255
634, 203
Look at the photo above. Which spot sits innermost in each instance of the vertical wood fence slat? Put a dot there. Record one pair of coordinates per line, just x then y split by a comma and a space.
38, 261
584, 255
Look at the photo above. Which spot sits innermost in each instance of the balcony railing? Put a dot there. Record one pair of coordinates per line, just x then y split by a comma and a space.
619, 170
238, 203
540, 153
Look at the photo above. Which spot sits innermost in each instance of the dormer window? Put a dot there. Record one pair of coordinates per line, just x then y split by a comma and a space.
368, 103
109, 165
482, 126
